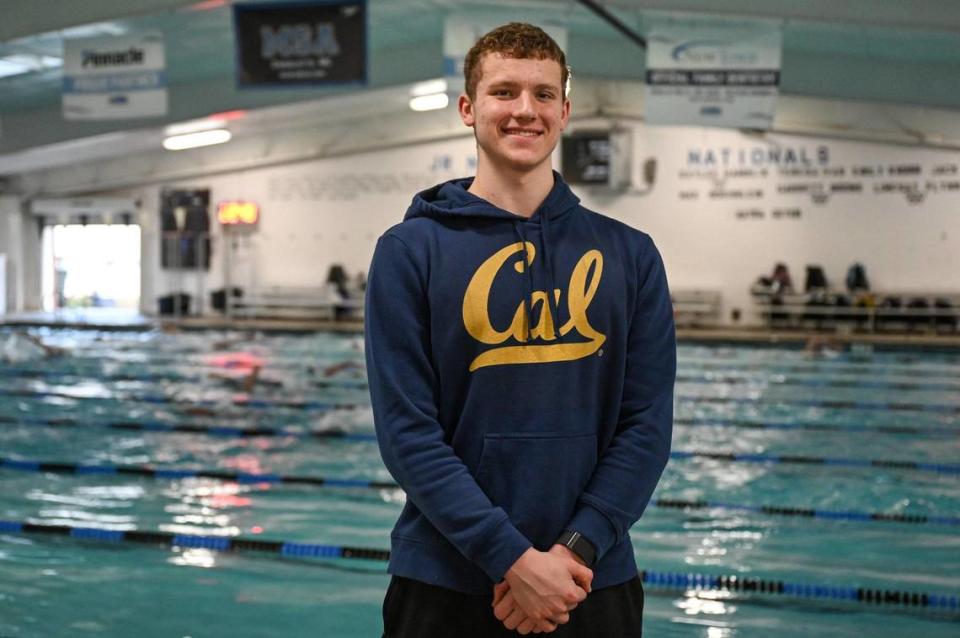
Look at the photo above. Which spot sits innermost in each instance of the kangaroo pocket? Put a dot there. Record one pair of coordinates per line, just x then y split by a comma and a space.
536, 478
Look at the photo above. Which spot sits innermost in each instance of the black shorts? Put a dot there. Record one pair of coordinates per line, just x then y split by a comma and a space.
412, 609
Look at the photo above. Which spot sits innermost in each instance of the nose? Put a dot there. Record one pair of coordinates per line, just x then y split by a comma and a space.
523, 106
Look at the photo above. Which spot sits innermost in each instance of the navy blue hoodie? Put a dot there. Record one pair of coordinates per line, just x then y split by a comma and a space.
508, 414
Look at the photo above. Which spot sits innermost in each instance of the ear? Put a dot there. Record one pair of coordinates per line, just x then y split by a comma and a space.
465, 108
565, 114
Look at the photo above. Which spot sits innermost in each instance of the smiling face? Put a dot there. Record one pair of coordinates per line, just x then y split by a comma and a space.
518, 112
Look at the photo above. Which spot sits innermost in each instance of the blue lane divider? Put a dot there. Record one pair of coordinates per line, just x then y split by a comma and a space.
739, 584
148, 425
822, 366
167, 377
248, 478
817, 426
830, 515
669, 580
241, 401
177, 473
361, 384
700, 379
244, 401
216, 543
942, 468
818, 403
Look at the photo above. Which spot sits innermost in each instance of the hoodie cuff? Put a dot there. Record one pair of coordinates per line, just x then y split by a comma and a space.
595, 527
501, 548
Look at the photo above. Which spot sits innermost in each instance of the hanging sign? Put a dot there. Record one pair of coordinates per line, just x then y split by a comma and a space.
301, 43
114, 78
712, 72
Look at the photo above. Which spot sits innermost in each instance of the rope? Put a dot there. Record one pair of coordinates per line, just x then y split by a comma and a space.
814, 426
360, 384
148, 425
734, 583
245, 401
942, 468
242, 401
820, 383
217, 543
154, 378
835, 404
146, 471
208, 430
872, 517
912, 370
666, 580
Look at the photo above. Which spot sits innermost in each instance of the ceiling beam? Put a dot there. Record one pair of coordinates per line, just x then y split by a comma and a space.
929, 15
40, 16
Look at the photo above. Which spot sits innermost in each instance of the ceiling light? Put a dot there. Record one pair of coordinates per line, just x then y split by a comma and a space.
20, 64
192, 126
9, 67
429, 87
429, 102
194, 140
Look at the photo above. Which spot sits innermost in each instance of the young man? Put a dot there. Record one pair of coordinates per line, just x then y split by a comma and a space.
521, 356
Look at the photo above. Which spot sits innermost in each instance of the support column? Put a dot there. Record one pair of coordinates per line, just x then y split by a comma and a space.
11, 245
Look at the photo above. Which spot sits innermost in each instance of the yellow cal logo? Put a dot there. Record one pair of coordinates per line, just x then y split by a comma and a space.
580, 292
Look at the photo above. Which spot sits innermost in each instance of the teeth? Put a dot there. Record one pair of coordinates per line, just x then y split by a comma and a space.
523, 133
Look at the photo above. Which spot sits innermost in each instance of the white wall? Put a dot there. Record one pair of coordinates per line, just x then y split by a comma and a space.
332, 211
313, 214
716, 242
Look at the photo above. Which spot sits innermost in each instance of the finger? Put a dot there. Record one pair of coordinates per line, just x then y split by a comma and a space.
503, 609
499, 591
560, 619
526, 626
583, 577
575, 595
514, 619
545, 627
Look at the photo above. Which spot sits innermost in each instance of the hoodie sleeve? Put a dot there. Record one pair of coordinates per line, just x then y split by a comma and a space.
403, 390
630, 467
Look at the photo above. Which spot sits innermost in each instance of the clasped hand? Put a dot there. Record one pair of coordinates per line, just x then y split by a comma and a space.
540, 590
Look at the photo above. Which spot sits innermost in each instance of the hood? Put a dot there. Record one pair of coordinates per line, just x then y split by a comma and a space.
452, 199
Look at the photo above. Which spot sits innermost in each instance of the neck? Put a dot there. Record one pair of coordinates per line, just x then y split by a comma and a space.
519, 192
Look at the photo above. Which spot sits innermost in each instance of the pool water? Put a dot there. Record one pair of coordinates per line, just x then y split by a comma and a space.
56, 586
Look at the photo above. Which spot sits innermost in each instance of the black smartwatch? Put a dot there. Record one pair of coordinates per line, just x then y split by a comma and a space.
576, 543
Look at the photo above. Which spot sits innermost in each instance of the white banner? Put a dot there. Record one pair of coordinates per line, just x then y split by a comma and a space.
114, 78
461, 32
712, 72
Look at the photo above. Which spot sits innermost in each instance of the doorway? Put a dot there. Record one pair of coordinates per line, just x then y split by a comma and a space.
91, 266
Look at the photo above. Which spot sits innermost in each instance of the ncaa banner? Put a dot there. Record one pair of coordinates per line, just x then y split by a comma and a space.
118, 77
299, 44
460, 32
712, 72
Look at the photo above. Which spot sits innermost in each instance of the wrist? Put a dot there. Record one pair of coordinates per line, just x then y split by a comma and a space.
520, 565
579, 545
566, 552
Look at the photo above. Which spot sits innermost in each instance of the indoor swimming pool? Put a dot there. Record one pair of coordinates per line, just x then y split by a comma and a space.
806, 496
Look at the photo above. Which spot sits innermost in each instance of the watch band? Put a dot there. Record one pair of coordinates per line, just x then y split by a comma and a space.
576, 543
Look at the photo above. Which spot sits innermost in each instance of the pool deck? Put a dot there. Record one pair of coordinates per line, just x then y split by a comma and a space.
109, 319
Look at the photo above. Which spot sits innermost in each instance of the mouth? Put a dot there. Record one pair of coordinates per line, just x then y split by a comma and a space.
522, 132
